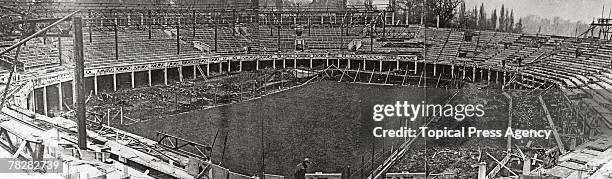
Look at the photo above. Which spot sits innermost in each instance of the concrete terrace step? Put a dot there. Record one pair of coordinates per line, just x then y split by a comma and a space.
563, 75
560, 81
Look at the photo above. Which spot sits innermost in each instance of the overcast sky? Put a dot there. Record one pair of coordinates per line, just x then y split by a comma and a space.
575, 10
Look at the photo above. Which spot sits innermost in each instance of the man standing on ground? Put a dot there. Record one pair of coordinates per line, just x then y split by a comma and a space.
300, 172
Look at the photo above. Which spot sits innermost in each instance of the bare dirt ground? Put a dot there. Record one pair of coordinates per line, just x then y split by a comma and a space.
329, 122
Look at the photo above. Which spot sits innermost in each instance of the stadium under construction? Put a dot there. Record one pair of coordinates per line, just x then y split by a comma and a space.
248, 89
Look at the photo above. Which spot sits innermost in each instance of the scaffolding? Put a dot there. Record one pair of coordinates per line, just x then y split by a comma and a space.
600, 29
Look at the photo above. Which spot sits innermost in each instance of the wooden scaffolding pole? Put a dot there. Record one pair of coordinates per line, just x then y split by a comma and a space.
79, 79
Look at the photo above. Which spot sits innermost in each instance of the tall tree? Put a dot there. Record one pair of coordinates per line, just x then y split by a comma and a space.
444, 9
462, 18
502, 19
511, 22
519, 26
475, 25
482, 20
493, 25
507, 23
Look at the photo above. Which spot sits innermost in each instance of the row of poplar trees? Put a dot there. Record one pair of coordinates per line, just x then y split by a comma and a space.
502, 20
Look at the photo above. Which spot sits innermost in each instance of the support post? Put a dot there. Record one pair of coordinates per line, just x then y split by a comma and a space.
453, 71
114, 81
240, 69
435, 68
497, 76
149, 23
384, 23
216, 38
482, 170
481, 74
178, 37
116, 42
397, 64
464, 70
132, 80
195, 72
310, 63
166, 76
229, 66
415, 66
527, 165
149, 75
32, 101
95, 84
489, 76
89, 29
371, 37
504, 77
59, 46
195, 20
60, 96
79, 80
474, 73
45, 100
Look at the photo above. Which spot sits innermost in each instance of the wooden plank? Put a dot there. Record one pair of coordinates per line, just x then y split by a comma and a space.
582, 157
509, 139
559, 171
499, 165
600, 144
591, 152
572, 165
79, 82
552, 126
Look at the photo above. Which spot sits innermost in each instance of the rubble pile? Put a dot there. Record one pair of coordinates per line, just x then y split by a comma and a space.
459, 156
178, 97
529, 114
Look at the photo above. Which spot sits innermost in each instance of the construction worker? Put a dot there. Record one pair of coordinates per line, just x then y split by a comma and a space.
300, 171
